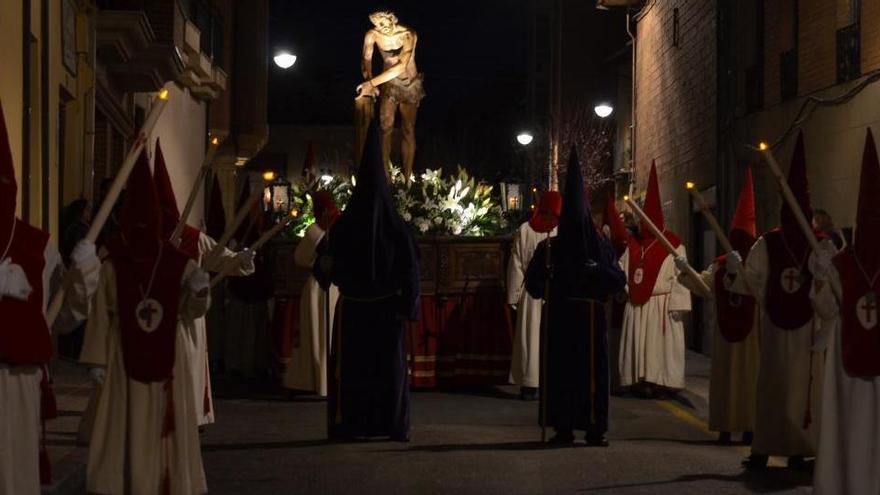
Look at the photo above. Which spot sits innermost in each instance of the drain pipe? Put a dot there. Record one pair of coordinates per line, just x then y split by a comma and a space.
632, 126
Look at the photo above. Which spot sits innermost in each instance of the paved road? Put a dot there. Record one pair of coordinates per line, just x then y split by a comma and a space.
484, 442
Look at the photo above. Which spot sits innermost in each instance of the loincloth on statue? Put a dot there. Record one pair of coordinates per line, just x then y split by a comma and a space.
411, 91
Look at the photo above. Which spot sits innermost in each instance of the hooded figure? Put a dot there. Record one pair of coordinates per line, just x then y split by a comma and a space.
525, 363
146, 428
652, 350
735, 348
789, 378
196, 245
371, 256
30, 272
848, 460
579, 269
307, 369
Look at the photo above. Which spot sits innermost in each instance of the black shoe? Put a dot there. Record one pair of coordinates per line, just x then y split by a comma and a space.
562, 438
596, 440
724, 438
798, 463
400, 438
747, 438
755, 461
528, 393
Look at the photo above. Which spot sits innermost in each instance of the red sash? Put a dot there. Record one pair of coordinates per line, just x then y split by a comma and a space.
148, 356
788, 306
860, 330
24, 335
639, 293
735, 312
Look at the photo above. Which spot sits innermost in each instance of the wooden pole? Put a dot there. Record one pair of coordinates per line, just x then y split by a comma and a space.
706, 292
207, 163
269, 234
240, 216
793, 205
116, 188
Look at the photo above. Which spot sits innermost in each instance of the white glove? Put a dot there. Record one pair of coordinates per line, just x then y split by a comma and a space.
681, 263
199, 281
98, 374
85, 254
246, 260
820, 264
734, 263
13, 282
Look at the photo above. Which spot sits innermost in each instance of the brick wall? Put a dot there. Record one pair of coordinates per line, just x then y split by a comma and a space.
676, 101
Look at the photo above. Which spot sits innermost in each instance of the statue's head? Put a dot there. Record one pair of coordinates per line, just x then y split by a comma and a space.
384, 20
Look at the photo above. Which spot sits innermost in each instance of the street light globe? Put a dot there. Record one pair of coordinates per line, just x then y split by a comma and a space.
603, 110
284, 59
524, 138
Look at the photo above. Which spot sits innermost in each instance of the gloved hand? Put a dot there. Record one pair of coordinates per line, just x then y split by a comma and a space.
199, 282
681, 263
98, 374
85, 254
676, 315
820, 263
734, 263
246, 260
13, 281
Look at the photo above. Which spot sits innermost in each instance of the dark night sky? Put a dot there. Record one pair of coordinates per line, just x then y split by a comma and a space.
473, 53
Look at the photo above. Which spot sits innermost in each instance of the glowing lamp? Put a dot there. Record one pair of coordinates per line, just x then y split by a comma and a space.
269, 175
524, 138
326, 178
603, 110
284, 59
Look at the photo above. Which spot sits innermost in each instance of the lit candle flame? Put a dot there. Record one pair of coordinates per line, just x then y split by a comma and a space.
163, 94
215, 141
690, 185
268, 176
626, 198
763, 146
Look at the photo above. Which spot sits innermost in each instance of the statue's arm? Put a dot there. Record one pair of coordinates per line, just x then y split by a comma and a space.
406, 53
367, 60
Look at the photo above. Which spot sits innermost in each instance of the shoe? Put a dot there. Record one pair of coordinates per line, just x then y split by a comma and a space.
724, 438
596, 440
528, 393
400, 438
798, 463
562, 438
747, 438
755, 461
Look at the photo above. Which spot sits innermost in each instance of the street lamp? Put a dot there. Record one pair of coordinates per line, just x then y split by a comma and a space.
284, 59
603, 110
277, 195
524, 138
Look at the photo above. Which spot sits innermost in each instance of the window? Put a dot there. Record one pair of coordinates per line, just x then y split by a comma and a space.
849, 45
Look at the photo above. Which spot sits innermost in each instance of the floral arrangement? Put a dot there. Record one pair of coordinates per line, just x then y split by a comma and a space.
431, 204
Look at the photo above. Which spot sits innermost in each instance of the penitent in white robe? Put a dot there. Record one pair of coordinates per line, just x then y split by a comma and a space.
127, 453
307, 369
789, 370
197, 341
848, 460
652, 347
525, 366
20, 385
734, 378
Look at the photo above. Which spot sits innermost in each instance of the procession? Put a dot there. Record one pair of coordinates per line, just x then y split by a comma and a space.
219, 276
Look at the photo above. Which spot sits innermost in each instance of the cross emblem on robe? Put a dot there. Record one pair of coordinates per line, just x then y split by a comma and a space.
791, 280
149, 314
866, 310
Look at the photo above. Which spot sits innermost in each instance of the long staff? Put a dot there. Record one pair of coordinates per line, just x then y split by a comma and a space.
689, 270
228, 268
240, 217
793, 205
207, 163
115, 190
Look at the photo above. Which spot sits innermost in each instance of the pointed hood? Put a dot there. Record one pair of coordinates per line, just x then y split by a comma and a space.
653, 206
743, 229
577, 237
370, 228
141, 218
615, 224
545, 218
8, 185
797, 181
216, 221
867, 235
325, 210
167, 201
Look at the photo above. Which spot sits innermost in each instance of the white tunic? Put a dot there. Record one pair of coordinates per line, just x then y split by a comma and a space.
525, 367
652, 347
848, 460
789, 371
307, 369
197, 342
734, 378
127, 447
20, 387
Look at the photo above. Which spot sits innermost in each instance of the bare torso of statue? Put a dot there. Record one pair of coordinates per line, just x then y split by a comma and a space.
398, 87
